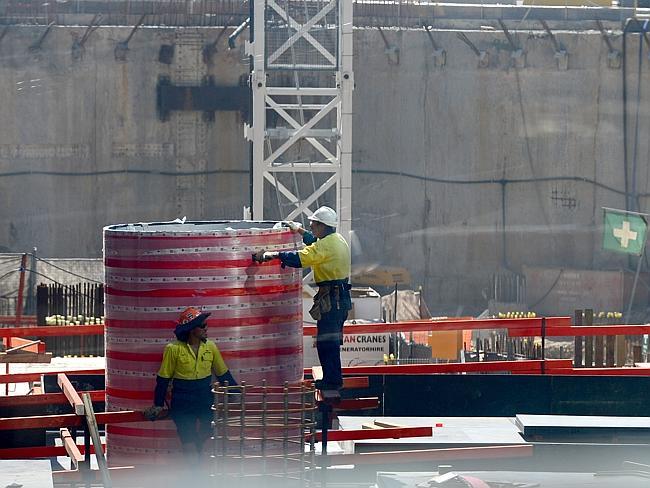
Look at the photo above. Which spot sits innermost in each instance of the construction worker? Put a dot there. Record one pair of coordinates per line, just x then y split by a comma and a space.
328, 254
189, 363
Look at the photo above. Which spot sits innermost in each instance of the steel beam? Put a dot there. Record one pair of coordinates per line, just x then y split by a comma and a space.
36, 375
67, 420
452, 324
365, 434
528, 366
45, 399
52, 331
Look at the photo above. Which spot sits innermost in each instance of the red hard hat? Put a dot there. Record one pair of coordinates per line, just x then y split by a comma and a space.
189, 314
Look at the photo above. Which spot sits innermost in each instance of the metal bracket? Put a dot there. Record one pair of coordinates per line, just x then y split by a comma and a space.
210, 49
122, 47
439, 55
614, 56
78, 44
518, 55
392, 52
232, 38
561, 56
483, 56
39, 42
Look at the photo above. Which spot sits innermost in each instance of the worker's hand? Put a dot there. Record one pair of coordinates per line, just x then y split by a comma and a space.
155, 413
293, 226
263, 256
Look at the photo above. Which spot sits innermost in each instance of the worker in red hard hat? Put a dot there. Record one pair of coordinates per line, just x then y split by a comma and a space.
328, 255
189, 363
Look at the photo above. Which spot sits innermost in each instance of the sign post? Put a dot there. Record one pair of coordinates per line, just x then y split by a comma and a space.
625, 232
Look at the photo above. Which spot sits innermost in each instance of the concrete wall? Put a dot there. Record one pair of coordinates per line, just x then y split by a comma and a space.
457, 136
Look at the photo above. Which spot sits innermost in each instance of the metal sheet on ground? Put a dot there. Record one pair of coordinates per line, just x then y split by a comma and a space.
26, 473
455, 431
576, 424
546, 480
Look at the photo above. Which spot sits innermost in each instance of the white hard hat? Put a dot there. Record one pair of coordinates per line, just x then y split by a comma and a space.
325, 215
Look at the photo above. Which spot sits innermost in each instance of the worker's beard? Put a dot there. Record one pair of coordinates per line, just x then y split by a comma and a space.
204, 339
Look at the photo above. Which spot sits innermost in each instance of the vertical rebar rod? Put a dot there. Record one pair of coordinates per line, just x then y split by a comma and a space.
226, 422
285, 436
263, 446
242, 426
216, 430
301, 444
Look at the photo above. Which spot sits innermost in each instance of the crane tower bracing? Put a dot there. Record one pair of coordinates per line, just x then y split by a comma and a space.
302, 82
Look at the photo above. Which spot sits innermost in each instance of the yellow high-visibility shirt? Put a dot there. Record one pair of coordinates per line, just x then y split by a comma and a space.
180, 362
328, 257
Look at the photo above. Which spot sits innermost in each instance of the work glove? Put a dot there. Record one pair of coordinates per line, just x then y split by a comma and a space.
293, 226
264, 256
155, 413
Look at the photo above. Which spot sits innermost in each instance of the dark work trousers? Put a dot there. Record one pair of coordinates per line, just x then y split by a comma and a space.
328, 344
191, 410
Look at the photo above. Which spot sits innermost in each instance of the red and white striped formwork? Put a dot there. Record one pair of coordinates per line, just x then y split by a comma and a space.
153, 272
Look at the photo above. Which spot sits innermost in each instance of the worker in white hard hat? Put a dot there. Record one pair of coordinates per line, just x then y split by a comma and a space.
328, 254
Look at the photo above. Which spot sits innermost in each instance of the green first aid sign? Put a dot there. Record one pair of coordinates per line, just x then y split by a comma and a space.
624, 232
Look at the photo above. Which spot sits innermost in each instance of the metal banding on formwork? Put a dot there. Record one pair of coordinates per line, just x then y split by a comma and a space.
261, 434
153, 272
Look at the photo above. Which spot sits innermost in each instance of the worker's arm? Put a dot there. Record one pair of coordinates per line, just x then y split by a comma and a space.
308, 238
165, 374
289, 258
310, 255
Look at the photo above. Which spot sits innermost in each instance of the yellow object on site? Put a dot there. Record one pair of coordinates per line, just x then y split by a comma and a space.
328, 257
180, 362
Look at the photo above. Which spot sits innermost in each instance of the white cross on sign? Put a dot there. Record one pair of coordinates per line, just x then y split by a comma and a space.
625, 234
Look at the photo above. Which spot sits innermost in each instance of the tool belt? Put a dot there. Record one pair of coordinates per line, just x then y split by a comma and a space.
331, 295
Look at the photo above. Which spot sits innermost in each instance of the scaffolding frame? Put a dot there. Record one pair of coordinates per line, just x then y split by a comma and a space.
324, 120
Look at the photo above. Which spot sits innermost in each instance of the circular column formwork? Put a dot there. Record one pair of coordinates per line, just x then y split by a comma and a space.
153, 272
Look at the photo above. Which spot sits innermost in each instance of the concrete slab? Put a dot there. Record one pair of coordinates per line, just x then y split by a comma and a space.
455, 432
26, 473
548, 427
511, 478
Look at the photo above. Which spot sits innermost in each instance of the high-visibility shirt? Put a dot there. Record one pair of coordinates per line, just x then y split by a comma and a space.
328, 257
180, 362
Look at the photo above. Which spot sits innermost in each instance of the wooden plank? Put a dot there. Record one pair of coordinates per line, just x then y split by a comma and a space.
352, 382
357, 404
71, 447
432, 455
91, 423
589, 340
19, 344
25, 357
70, 393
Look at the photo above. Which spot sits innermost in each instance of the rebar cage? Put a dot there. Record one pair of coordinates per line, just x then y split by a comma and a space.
264, 434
